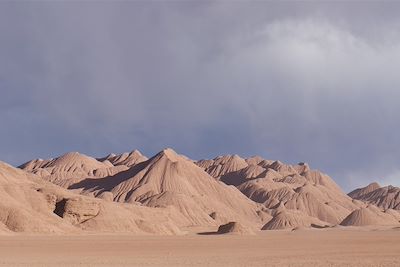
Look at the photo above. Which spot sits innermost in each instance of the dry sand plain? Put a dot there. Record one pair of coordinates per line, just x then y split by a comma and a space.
328, 247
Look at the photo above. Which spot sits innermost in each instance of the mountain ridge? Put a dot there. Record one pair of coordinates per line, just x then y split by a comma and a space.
255, 193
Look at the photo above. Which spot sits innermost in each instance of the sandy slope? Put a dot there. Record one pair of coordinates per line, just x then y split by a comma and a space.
330, 247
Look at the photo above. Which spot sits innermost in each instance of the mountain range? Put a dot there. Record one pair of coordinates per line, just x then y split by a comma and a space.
172, 194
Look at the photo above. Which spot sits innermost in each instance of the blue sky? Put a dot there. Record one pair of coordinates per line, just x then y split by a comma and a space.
300, 81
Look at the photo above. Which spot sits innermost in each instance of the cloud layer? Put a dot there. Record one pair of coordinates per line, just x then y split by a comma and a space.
290, 81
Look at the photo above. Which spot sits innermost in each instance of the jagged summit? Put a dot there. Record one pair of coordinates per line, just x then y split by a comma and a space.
170, 154
109, 156
387, 197
127, 159
254, 160
360, 192
222, 165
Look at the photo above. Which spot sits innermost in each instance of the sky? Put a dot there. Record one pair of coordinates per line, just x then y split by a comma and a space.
315, 82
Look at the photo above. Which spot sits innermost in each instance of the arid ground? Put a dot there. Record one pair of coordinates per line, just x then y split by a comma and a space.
329, 247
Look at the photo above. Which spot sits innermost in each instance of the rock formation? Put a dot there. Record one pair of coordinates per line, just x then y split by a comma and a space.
169, 193
387, 197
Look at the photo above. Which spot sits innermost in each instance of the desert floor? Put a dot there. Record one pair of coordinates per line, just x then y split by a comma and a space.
328, 247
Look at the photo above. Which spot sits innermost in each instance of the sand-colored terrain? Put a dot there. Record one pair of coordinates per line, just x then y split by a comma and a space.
168, 210
328, 247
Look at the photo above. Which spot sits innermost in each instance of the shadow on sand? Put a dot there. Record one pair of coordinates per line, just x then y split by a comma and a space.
208, 233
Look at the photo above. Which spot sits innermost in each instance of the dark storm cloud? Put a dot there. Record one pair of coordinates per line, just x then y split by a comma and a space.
291, 81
